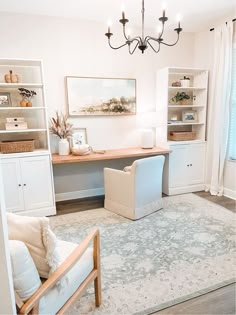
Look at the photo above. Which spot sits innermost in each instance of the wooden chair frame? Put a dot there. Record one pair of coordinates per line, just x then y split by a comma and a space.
31, 306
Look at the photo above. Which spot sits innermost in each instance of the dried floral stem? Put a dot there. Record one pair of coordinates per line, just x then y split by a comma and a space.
59, 126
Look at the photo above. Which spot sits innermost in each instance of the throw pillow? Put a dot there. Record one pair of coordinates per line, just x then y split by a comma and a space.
41, 242
25, 275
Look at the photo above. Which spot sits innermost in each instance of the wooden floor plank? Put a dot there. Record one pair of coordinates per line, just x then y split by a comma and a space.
218, 302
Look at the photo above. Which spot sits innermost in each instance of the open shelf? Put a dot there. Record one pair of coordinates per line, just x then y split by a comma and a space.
22, 130
185, 106
185, 142
20, 154
22, 108
183, 124
17, 85
186, 88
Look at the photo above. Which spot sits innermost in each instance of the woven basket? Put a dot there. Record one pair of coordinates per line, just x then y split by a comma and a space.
181, 135
17, 146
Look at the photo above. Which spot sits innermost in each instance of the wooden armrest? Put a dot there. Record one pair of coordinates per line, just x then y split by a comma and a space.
70, 261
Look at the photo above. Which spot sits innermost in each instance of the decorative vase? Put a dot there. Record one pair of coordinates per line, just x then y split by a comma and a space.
23, 103
63, 147
184, 102
185, 82
29, 104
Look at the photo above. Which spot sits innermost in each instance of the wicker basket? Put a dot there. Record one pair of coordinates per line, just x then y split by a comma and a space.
17, 146
181, 135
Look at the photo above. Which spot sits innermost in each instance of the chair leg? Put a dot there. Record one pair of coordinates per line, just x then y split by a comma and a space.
97, 289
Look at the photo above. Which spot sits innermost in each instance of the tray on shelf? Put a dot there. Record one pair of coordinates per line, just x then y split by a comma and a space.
16, 146
181, 135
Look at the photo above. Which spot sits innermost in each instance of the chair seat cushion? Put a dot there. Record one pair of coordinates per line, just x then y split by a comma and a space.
56, 297
25, 275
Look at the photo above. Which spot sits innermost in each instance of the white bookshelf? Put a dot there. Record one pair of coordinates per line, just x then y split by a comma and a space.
30, 74
184, 169
27, 176
172, 111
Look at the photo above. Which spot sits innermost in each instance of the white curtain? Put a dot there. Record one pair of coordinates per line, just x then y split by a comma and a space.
219, 108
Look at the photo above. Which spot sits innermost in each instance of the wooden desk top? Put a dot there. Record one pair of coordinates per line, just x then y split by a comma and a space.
109, 155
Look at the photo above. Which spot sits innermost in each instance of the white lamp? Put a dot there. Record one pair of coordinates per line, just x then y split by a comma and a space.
147, 121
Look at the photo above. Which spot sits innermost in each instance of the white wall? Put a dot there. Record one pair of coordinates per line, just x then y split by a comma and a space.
203, 58
79, 48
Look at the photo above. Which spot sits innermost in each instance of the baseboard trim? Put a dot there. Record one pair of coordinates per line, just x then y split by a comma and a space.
41, 212
185, 190
80, 194
230, 193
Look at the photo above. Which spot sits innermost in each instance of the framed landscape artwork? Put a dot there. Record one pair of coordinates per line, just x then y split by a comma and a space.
100, 96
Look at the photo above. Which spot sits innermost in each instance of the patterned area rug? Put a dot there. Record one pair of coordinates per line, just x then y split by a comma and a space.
182, 251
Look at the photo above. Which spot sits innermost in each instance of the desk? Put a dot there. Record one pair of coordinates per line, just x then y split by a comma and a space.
109, 155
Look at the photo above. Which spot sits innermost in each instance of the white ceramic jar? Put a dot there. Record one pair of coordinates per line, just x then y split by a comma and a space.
63, 147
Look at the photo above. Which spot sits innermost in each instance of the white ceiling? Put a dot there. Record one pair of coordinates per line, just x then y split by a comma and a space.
197, 15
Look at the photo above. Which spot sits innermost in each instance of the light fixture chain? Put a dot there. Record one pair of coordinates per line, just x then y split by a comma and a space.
143, 20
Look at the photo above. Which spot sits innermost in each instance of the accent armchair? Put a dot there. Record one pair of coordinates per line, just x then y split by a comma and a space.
137, 192
80, 268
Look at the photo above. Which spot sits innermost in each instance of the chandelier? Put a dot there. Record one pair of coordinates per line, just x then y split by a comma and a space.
142, 42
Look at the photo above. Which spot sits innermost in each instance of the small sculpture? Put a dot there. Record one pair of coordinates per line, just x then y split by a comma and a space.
11, 78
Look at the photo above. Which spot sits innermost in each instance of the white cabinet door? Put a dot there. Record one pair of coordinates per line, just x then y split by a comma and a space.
196, 161
178, 171
37, 182
13, 186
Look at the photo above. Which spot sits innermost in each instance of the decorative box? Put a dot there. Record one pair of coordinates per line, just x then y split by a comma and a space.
16, 125
15, 119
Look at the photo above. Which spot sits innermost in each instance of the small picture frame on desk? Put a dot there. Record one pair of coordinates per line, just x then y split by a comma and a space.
189, 116
78, 137
5, 99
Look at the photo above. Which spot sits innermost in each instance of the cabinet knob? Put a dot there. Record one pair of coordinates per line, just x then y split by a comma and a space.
19, 185
191, 164
188, 165
24, 184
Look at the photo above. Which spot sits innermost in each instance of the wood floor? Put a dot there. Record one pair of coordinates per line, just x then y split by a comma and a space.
218, 302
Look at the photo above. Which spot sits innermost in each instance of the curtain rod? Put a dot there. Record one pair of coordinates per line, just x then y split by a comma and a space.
212, 29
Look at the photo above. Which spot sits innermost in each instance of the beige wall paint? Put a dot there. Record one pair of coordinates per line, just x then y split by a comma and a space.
74, 47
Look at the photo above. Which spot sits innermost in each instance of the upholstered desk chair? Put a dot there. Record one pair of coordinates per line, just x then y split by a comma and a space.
81, 267
138, 192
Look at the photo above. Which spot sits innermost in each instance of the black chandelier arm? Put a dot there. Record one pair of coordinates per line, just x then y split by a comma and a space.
156, 51
109, 42
124, 32
131, 52
171, 44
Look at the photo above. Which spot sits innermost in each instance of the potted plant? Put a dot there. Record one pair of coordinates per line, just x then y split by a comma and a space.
27, 96
181, 98
60, 127
185, 82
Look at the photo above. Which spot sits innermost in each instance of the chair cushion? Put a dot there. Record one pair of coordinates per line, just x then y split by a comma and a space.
25, 275
41, 242
56, 298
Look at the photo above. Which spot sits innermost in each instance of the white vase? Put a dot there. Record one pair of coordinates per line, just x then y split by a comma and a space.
63, 147
185, 83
